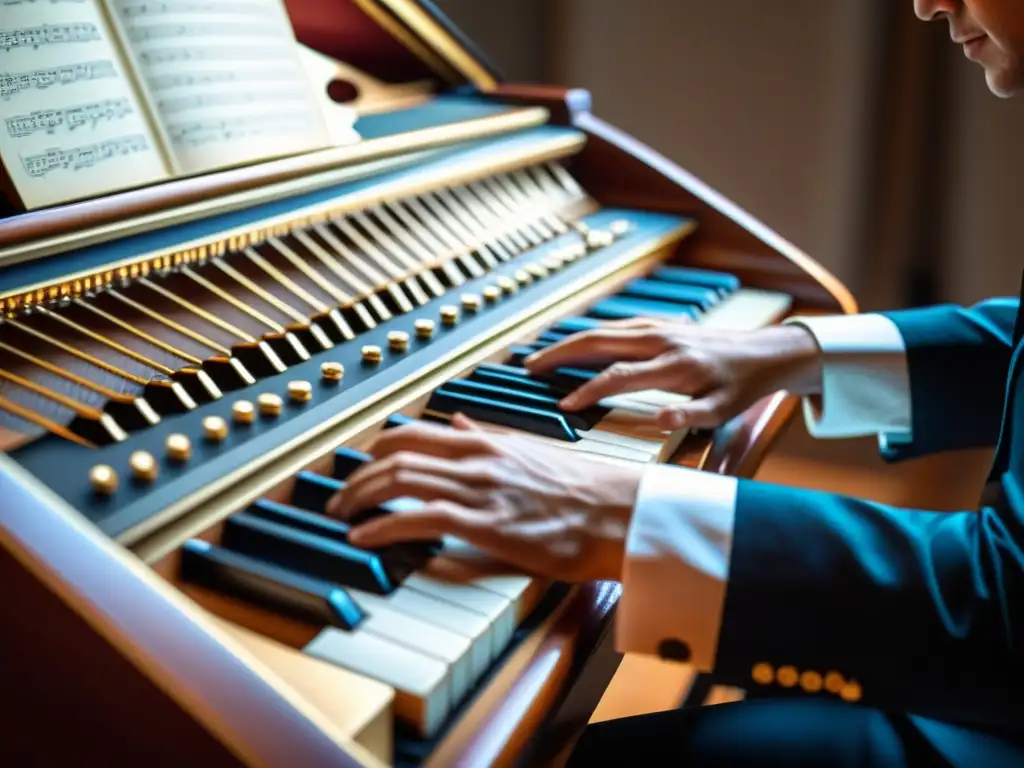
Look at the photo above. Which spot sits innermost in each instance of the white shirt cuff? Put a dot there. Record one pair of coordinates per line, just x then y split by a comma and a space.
865, 385
677, 564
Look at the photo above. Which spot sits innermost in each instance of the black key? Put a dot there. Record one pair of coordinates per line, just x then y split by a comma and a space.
400, 559
398, 420
532, 420
267, 586
517, 355
571, 325
674, 293
552, 337
501, 374
568, 379
312, 491
508, 392
622, 308
559, 382
348, 460
723, 282
307, 553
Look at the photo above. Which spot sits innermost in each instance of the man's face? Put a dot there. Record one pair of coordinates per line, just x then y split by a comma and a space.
992, 34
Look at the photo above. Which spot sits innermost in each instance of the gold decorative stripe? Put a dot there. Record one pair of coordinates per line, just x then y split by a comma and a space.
424, 25
164, 532
416, 47
200, 251
303, 174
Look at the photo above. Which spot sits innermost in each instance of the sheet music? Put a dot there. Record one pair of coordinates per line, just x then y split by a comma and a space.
71, 126
223, 79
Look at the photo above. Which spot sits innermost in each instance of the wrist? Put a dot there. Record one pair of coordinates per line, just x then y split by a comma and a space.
799, 358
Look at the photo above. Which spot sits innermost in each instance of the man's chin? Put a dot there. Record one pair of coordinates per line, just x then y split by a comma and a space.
1002, 84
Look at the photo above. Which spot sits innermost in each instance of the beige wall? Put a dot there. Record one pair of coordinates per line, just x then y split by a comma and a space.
779, 110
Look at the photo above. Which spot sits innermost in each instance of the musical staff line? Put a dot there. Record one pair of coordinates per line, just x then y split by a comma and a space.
34, 2
72, 118
170, 31
48, 34
196, 133
166, 82
85, 156
183, 103
13, 83
237, 53
136, 10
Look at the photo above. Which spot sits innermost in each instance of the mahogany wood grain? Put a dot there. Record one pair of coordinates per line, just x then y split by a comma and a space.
102, 640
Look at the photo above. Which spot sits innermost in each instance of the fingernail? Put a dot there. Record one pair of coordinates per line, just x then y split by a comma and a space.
568, 402
674, 419
529, 359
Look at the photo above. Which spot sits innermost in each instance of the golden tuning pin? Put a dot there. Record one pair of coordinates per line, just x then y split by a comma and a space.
507, 284
398, 341
449, 314
300, 391
619, 227
492, 293
215, 429
270, 404
103, 479
371, 353
179, 447
424, 328
243, 412
471, 302
332, 371
523, 277
144, 466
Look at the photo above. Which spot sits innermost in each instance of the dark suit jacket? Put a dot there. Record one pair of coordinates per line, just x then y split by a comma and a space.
917, 611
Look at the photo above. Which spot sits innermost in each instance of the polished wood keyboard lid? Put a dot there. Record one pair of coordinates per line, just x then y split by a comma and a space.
397, 41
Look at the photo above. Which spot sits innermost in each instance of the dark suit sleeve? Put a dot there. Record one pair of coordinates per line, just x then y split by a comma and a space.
910, 610
958, 361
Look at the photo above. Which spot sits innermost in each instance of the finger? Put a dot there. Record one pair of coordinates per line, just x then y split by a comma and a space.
432, 521
634, 323
462, 422
597, 346
659, 373
382, 487
703, 413
403, 474
432, 439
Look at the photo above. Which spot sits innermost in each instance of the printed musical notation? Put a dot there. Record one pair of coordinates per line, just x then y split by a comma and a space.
71, 118
13, 83
83, 157
48, 34
33, 2
197, 133
234, 53
198, 101
160, 83
136, 10
207, 29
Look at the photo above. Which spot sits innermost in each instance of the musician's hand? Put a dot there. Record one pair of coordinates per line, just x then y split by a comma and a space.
724, 371
542, 508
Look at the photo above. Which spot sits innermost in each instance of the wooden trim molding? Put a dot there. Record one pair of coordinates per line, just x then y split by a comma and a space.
164, 636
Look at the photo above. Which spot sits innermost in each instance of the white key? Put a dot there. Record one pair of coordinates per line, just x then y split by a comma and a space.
497, 609
461, 561
422, 693
747, 310
470, 625
426, 637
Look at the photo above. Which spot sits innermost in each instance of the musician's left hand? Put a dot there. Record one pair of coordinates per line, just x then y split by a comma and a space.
542, 508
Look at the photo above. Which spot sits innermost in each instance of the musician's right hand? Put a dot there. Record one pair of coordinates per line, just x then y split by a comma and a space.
725, 372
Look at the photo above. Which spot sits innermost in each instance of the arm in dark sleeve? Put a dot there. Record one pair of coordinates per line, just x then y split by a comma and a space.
898, 609
958, 359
